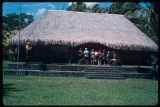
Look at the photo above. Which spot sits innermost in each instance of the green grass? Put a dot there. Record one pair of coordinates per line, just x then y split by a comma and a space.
32, 90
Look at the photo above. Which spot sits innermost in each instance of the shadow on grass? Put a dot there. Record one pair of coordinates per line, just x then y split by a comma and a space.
8, 89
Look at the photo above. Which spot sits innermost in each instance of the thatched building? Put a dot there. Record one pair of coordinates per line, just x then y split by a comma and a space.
57, 35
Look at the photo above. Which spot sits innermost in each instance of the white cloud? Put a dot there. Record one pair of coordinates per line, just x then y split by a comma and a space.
90, 4
52, 6
41, 11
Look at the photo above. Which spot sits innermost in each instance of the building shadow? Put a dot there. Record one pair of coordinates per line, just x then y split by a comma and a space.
8, 90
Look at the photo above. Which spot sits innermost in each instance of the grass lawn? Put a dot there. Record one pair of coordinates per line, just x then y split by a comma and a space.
34, 90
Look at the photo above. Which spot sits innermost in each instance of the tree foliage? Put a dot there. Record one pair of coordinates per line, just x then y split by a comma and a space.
7, 35
12, 23
146, 19
77, 6
16, 21
97, 9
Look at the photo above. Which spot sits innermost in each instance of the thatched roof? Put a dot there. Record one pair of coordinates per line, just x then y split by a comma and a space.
112, 30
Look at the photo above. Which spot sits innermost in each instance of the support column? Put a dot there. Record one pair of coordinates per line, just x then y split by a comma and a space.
70, 54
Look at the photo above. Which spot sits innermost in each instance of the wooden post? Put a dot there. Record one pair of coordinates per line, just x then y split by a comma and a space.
70, 53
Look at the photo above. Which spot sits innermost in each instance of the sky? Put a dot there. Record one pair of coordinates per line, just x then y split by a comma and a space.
38, 8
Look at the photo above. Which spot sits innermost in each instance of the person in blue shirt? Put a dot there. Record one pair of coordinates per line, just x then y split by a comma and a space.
86, 55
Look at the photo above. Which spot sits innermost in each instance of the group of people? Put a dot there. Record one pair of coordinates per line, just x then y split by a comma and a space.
97, 57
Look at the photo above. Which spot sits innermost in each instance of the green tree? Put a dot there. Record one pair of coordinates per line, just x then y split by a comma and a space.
153, 19
77, 6
15, 21
97, 9
6, 36
115, 8
145, 19
12, 23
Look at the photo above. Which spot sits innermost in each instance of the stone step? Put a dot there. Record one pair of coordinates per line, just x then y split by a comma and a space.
105, 75
39, 70
14, 70
105, 70
132, 73
138, 75
45, 73
118, 73
41, 66
46, 67
100, 68
24, 66
97, 77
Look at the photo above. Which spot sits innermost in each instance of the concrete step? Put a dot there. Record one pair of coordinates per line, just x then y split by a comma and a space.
45, 73
29, 70
100, 68
118, 73
116, 70
14, 70
103, 72
97, 77
105, 75
132, 73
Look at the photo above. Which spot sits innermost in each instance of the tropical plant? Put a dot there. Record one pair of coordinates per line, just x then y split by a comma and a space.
77, 6
6, 36
145, 19
12, 23
16, 21
97, 9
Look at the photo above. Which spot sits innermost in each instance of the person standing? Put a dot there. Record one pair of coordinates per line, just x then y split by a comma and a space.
28, 48
15, 54
104, 57
100, 54
96, 57
113, 60
107, 57
154, 62
80, 55
86, 55
92, 57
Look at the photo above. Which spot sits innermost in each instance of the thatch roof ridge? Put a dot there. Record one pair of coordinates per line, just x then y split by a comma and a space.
112, 30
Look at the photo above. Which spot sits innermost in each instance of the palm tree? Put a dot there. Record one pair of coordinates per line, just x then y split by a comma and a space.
145, 19
95, 9
78, 6
115, 8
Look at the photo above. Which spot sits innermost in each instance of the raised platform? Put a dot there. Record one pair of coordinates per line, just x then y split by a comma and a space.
88, 71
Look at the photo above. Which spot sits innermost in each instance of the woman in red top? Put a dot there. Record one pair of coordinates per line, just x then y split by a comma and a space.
100, 55
28, 49
96, 57
92, 57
